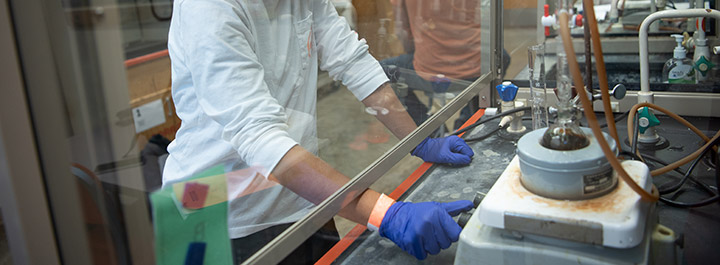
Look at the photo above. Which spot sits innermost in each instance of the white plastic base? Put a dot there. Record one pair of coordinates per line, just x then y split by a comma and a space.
616, 219
628, 227
481, 244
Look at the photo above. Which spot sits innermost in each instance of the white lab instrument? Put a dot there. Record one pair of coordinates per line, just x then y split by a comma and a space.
560, 202
515, 226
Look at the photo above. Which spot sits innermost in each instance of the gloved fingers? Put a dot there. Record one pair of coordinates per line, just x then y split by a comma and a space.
415, 247
443, 240
419, 150
462, 148
458, 159
456, 207
451, 228
441, 235
430, 243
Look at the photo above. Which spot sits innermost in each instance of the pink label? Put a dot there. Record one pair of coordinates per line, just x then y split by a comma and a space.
195, 195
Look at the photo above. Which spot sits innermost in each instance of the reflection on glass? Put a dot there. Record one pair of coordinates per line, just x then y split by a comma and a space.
246, 158
442, 54
144, 25
246, 95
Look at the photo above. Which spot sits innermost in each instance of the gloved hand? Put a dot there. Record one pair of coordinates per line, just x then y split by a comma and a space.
421, 228
449, 150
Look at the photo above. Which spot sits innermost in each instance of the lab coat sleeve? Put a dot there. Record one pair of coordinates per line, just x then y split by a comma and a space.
229, 82
341, 53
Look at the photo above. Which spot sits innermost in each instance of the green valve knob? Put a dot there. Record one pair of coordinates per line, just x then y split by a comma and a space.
703, 65
647, 119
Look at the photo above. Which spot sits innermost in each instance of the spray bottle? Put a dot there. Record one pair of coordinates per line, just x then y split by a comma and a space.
679, 69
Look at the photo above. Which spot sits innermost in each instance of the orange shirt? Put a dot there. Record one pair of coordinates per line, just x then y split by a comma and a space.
446, 35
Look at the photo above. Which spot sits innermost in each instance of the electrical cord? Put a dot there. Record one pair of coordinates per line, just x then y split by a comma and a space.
711, 163
617, 119
489, 134
661, 162
706, 201
485, 135
695, 162
499, 115
684, 179
678, 204
685, 160
704, 186
686, 176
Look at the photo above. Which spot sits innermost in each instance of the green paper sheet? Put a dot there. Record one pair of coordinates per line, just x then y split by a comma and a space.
176, 227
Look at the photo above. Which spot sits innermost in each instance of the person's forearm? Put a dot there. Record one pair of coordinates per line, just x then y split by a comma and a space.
397, 119
315, 180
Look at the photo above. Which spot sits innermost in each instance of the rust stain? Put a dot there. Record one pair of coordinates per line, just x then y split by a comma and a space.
515, 184
611, 202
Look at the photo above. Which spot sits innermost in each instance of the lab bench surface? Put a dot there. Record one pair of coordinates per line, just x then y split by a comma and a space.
699, 228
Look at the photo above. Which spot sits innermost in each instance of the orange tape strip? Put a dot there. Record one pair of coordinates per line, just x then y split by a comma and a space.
346, 241
146, 58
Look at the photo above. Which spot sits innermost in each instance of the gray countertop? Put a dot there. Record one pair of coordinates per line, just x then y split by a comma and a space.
699, 227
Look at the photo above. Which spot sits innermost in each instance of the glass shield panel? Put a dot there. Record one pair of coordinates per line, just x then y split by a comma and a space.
431, 52
144, 25
200, 131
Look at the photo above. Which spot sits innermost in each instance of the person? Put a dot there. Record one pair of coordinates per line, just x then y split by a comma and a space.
244, 76
439, 38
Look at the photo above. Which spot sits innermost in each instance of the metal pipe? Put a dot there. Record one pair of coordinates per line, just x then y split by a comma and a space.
645, 95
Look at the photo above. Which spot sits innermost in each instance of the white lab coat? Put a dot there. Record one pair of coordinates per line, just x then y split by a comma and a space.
244, 81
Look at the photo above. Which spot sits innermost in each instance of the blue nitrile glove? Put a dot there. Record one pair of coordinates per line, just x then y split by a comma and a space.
449, 150
425, 227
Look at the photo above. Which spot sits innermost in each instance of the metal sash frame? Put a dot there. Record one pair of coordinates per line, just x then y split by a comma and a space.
48, 43
23, 201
